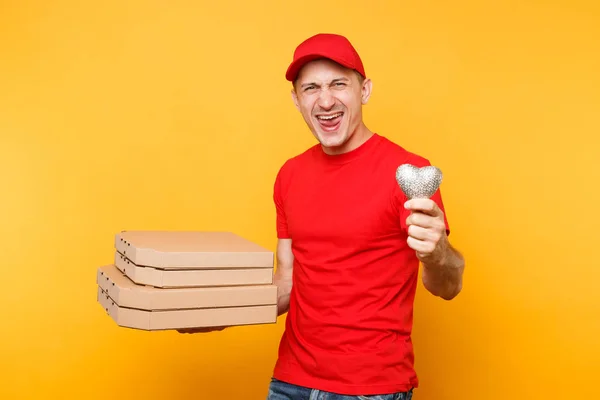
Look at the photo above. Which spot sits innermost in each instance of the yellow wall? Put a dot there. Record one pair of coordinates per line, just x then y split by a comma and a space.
142, 115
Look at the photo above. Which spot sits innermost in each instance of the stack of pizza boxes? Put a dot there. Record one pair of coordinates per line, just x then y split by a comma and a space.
162, 280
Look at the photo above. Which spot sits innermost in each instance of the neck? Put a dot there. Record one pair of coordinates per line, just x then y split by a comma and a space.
360, 135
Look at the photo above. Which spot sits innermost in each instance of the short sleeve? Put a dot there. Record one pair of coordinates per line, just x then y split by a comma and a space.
278, 198
437, 197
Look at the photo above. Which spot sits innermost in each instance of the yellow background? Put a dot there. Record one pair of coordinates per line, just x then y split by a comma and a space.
175, 115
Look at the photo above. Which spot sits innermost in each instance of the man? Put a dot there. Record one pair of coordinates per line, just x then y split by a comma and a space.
349, 244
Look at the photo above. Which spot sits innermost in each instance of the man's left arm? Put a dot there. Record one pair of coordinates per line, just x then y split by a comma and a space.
443, 265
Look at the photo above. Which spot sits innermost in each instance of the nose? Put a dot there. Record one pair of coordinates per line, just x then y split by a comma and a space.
326, 100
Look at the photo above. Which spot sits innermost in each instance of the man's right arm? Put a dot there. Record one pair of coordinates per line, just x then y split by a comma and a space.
282, 279
283, 275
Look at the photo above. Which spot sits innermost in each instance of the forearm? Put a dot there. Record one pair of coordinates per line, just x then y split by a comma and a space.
283, 275
443, 277
283, 281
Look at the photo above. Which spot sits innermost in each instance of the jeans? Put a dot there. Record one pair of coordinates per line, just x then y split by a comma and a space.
279, 390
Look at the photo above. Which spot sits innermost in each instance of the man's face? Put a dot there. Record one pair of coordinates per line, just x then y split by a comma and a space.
330, 98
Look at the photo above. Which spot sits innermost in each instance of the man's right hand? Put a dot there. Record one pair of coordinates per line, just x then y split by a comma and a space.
201, 330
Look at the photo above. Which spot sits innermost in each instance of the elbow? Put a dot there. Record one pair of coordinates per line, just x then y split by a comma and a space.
449, 292
445, 281
454, 289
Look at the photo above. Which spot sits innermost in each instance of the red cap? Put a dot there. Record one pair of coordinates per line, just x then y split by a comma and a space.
325, 45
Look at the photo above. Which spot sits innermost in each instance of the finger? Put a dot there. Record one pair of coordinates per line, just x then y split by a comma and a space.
201, 330
421, 246
426, 206
423, 220
418, 232
433, 235
191, 330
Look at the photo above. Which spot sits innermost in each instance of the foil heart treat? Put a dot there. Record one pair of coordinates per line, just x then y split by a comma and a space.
418, 182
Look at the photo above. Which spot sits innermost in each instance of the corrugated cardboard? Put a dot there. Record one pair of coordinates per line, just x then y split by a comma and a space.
174, 280
170, 278
188, 318
192, 249
126, 293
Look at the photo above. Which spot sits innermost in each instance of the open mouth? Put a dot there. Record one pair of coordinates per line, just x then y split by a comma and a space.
330, 122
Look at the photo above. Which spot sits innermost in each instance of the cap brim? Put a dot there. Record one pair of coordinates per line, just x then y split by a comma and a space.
296, 65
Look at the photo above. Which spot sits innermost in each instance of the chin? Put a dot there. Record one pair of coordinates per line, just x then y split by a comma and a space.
335, 138
332, 140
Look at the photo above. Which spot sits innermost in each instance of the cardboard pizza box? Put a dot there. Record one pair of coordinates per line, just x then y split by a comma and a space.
184, 279
171, 278
126, 293
155, 320
192, 250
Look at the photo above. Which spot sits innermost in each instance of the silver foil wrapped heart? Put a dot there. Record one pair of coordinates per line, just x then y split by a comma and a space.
418, 182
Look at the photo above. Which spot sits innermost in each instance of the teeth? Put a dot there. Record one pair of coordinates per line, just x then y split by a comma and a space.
329, 116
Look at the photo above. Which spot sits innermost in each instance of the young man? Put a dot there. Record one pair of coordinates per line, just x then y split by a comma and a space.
349, 243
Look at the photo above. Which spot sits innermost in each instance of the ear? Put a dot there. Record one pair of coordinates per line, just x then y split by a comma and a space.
295, 99
367, 87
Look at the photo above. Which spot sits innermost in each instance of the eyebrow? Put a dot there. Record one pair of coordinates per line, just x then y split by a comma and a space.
332, 81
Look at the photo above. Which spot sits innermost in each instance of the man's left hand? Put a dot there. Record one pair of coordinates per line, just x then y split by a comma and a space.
426, 230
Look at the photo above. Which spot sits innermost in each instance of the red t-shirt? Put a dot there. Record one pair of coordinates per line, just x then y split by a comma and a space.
348, 328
